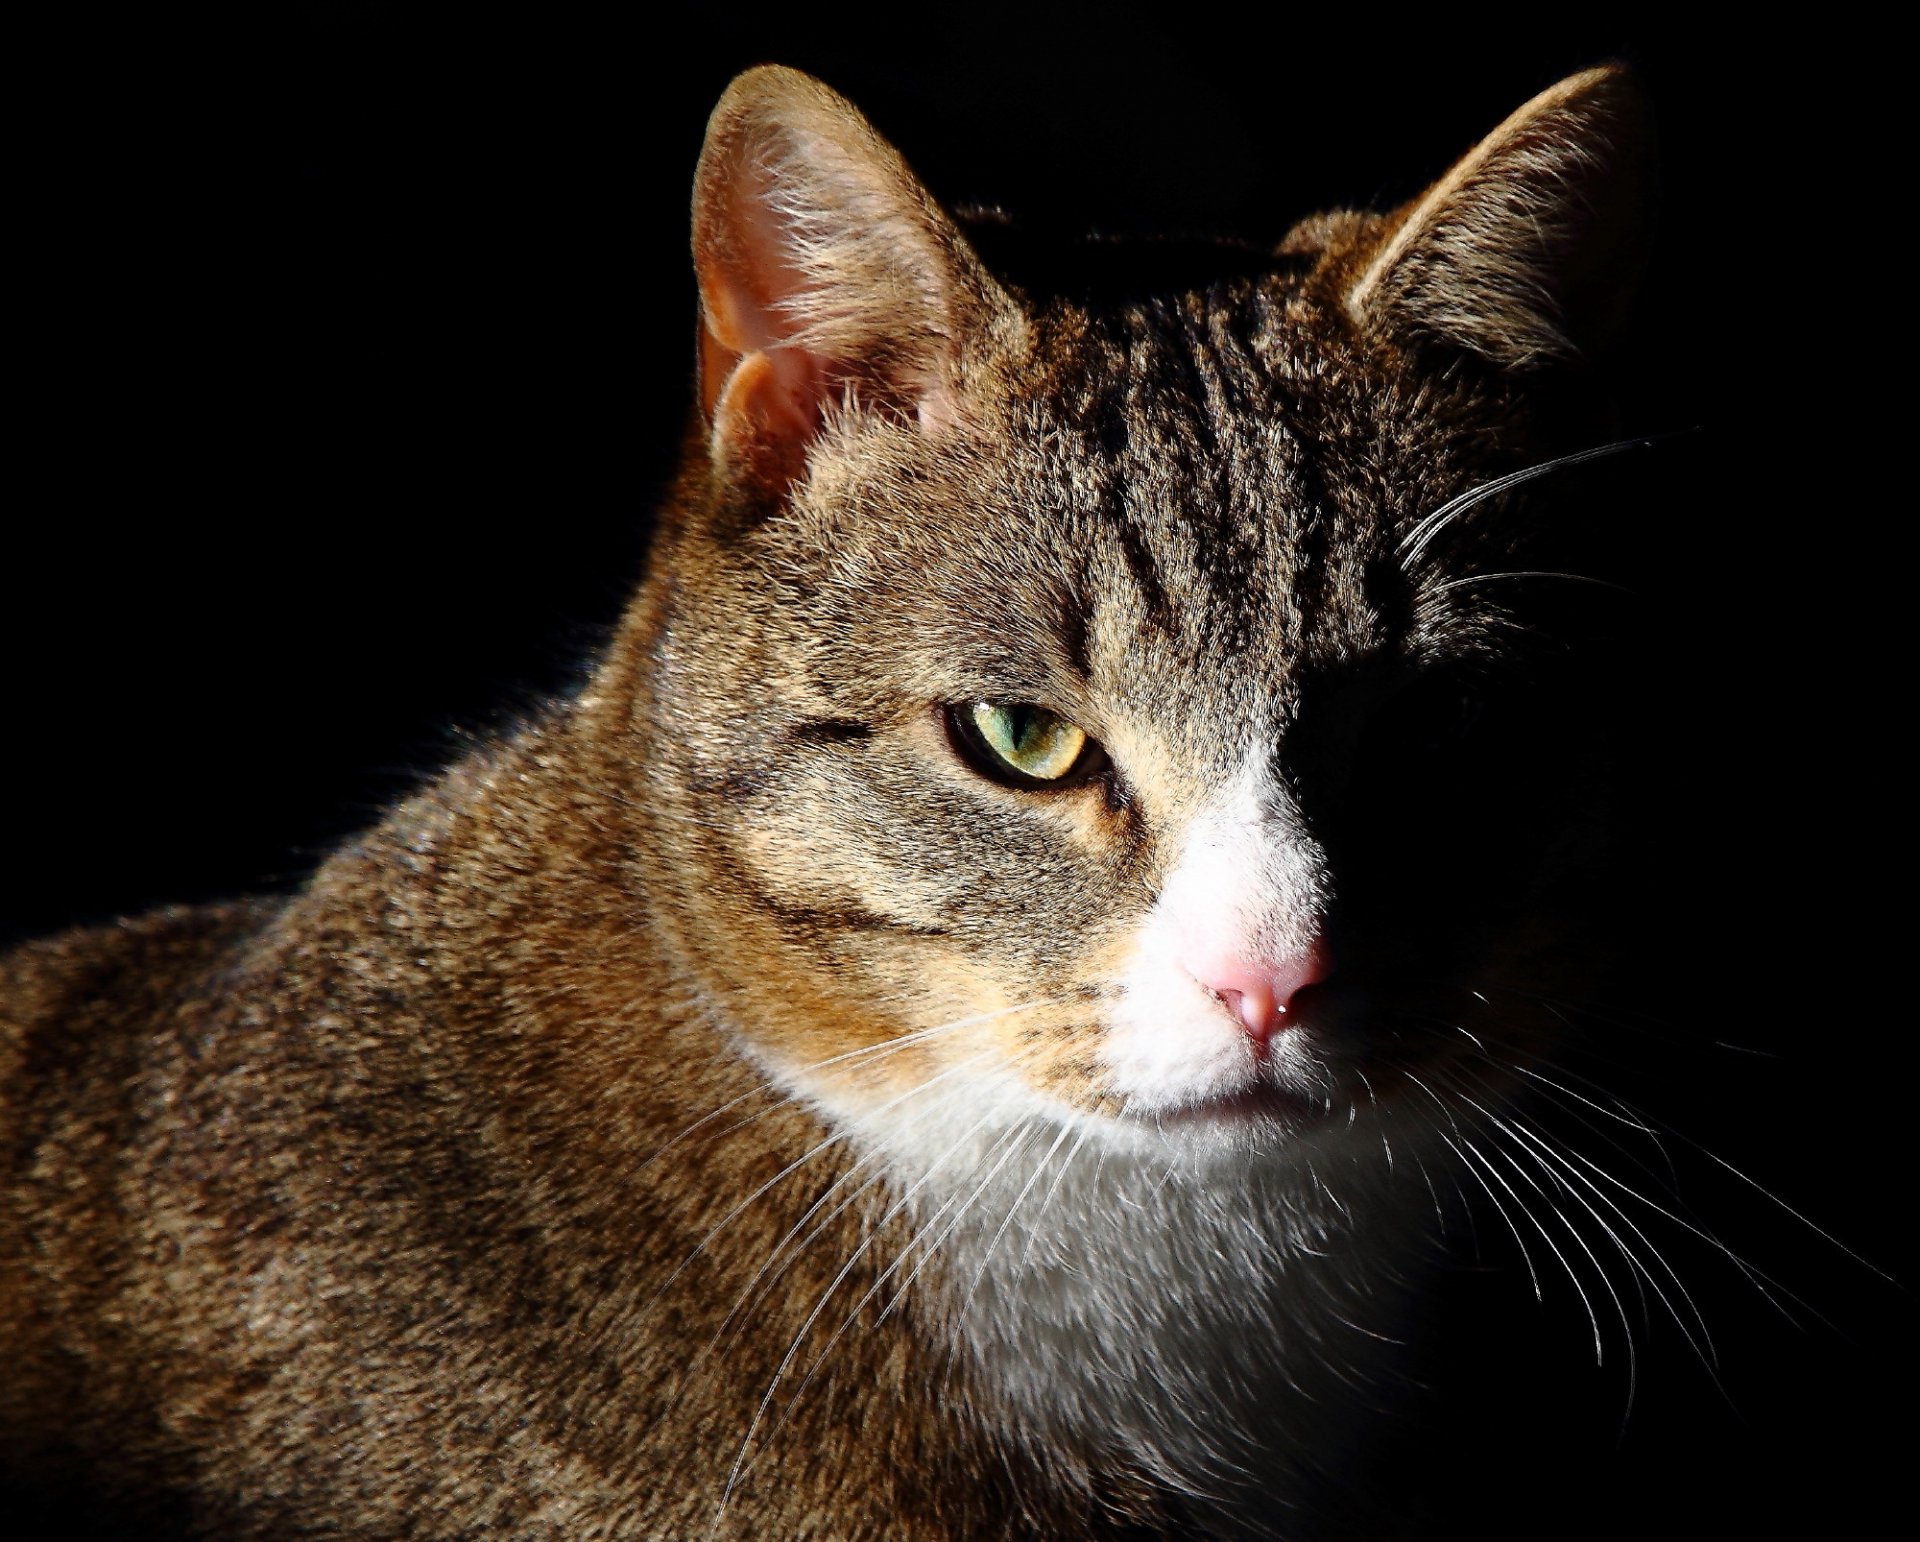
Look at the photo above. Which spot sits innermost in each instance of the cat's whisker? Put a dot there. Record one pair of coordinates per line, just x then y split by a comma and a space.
875, 1174
1386, 1146
1015, 1141
1526, 1253
921, 1035
807, 1379
1628, 1116
1761, 1281
1439, 1211
1636, 1272
1638, 1120
1046, 1200
1425, 1124
1559, 1094
1547, 1153
1768, 1194
1023, 1129
740, 1209
1498, 1127
949, 1094
1423, 533
872, 1054
1483, 578
1474, 1153
1454, 1145
764, 1089
1332, 1198
1622, 1112
1106, 1146
1570, 1105
986, 1256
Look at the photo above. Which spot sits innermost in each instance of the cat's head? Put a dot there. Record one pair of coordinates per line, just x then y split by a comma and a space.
1124, 711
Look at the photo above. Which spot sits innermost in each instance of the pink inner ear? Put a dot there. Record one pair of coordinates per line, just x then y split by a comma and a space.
773, 394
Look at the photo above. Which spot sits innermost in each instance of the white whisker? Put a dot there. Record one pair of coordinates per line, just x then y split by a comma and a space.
1704, 1345
1532, 1273
986, 1255
1033, 1229
1500, 1126
1483, 578
1422, 534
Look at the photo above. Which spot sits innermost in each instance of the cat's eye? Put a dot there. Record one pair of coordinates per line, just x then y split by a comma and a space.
1022, 745
1432, 715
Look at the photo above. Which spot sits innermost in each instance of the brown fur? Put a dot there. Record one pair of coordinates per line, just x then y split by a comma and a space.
428, 1202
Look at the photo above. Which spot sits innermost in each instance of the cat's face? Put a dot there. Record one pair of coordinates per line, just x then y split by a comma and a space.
1081, 725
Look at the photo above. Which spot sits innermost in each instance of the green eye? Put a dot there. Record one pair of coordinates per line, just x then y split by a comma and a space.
1022, 745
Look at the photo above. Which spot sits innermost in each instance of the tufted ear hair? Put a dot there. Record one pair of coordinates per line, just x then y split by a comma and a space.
828, 276
1529, 249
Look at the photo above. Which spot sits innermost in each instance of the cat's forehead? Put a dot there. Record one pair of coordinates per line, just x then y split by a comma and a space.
1222, 482
1244, 398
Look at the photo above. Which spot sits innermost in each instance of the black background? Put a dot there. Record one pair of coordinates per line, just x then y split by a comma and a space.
357, 351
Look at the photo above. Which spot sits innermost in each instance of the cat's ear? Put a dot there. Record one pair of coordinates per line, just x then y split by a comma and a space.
827, 275
1528, 250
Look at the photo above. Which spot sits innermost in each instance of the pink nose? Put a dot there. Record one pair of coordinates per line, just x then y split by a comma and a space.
1259, 993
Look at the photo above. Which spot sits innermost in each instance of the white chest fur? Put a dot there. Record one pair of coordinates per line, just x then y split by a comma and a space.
1204, 1315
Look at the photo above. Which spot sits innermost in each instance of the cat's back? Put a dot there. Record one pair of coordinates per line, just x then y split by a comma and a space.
80, 1016
76, 1003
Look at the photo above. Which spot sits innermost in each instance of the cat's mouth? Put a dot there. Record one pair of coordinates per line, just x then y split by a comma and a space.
1265, 1102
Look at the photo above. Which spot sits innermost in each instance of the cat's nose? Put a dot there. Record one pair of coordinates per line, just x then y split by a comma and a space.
1259, 992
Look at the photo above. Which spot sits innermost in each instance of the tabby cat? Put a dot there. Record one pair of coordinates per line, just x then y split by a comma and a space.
960, 1027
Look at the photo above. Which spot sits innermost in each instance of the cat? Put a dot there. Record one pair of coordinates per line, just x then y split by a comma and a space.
961, 1026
